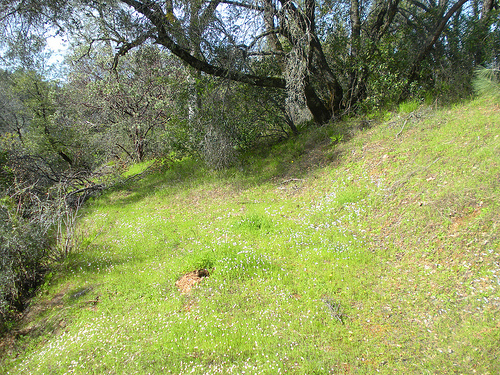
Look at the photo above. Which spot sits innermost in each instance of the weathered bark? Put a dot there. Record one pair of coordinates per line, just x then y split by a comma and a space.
322, 89
381, 17
321, 113
165, 40
354, 83
325, 81
355, 24
272, 38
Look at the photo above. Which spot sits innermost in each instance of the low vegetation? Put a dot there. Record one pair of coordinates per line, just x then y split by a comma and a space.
368, 246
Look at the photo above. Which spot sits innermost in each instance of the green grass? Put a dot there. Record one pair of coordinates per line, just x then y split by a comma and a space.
377, 253
137, 168
409, 106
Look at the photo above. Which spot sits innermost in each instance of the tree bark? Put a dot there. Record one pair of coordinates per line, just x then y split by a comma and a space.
329, 87
272, 38
160, 21
354, 87
320, 112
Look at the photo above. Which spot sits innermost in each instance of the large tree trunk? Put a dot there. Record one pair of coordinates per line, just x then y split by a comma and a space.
355, 89
321, 88
321, 113
323, 91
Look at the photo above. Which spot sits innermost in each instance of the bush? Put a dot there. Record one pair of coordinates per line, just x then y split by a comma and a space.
22, 260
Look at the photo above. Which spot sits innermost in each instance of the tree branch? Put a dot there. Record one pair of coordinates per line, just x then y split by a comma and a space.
128, 46
413, 72
158, 19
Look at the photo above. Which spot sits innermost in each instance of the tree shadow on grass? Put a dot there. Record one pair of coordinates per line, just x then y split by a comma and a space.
300, 156
91, 262
50, 315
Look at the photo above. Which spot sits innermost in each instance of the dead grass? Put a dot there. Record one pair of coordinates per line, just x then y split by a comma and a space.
189, 280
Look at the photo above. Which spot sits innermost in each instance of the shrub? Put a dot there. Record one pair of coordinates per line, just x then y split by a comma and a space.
487, 82
23, 245
34, 233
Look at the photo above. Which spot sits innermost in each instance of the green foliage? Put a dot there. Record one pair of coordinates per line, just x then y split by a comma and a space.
295, 252
336, 138
155, 106
203, 260
487, 82
235, 117
130, 114
137, 168
409, 106
6, 173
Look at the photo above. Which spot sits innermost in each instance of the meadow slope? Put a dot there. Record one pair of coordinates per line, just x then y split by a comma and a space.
367, 247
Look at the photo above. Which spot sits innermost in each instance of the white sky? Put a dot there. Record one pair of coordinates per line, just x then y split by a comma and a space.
58, 46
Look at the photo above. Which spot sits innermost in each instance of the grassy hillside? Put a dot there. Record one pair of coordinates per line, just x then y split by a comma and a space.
368, 247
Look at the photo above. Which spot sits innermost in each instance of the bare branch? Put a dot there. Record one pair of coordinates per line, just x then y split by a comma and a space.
128, 46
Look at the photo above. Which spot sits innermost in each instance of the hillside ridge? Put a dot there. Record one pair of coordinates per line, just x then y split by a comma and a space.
365, 246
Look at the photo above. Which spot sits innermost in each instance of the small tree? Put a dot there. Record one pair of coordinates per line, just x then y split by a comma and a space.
126, 110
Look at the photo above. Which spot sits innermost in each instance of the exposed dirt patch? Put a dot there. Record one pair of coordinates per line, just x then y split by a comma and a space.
43, 317
190, 280
462, 221
25, 326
